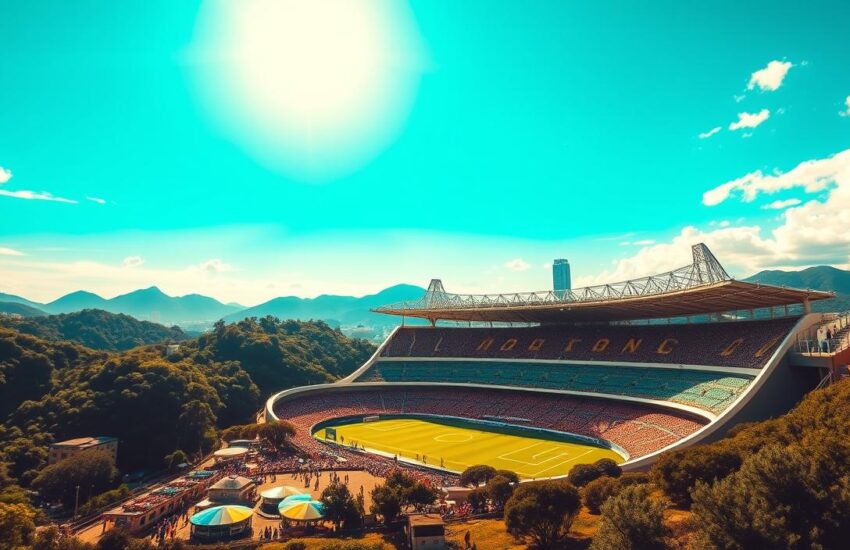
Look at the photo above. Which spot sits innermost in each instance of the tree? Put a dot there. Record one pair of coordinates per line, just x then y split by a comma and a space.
791, 497
542, 511
114, 539
385, 502
677, 472
195, 426
477, 498
17, 525
595, 493
338, 502
499, 490
174, 460
10, 492
582, 474
276, 433
419, 495
608, 467
631, 520
509, 475
476, 475
92, 471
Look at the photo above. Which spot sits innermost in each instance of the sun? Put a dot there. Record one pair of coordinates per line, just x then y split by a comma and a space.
315, 88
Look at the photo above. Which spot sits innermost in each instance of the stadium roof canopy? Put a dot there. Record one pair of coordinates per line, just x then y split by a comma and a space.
699, 288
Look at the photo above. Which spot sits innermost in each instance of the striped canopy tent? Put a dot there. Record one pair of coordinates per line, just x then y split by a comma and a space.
273, 497
222, 515
302, 510
222, 522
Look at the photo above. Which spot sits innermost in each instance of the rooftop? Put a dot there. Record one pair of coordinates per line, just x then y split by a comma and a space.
84, 441
699, 288
425, 519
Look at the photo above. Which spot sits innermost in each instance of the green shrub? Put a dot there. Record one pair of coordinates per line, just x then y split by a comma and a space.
582, 474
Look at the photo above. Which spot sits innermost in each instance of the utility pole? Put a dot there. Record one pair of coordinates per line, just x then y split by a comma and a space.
76, 502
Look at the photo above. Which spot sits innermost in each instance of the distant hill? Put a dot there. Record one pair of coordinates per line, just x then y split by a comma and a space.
350, 313
196, 313
821, 277
18, 300
76, 301
148, 304
17, 308
96, 329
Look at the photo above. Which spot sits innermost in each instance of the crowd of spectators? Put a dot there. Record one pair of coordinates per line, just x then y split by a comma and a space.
746, 344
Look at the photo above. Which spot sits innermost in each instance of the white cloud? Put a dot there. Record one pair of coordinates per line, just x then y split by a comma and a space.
133, 261
770, 78
642, 242
517, 264
6, 175
846, 112
10, 252
811, 175
33, 195
749, 120
215, 265
708, 134
811, 233
98, 200
781, 205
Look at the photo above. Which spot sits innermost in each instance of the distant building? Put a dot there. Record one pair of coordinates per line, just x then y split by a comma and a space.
232, 489
561, 276
171, 349
426, 532
65, 449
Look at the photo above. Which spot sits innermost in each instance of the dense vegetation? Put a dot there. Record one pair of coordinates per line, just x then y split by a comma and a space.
96, 329
781, 483
161, 408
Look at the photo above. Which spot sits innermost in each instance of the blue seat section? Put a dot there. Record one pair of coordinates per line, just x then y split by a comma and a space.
710, 391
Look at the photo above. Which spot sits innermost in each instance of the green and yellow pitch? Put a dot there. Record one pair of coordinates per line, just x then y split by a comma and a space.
455, 448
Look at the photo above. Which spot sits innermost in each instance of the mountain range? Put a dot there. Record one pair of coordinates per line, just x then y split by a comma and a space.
196, 312
352, 314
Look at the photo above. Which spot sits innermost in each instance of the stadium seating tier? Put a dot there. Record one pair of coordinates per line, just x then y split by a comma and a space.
710, 391
743, 344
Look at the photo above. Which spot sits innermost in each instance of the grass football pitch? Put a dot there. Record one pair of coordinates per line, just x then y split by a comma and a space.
461, 447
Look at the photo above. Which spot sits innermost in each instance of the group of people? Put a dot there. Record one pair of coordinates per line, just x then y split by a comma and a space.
167, 527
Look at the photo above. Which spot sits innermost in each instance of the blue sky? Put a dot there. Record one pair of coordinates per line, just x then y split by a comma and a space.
254, 149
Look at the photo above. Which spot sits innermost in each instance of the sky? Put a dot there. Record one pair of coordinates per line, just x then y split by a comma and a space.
261, 148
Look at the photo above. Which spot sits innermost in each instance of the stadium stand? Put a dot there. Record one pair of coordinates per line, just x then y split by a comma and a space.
606, 345
637, 429
743, 344
710, 391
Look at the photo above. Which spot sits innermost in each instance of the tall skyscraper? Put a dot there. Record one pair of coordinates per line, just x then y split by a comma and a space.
561, 276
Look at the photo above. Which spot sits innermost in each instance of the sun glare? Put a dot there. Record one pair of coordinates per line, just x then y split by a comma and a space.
314, 88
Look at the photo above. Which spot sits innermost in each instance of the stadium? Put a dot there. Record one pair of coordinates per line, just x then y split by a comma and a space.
540, 382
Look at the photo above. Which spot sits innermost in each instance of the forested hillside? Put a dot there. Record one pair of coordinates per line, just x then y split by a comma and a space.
97, 329
156, 404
